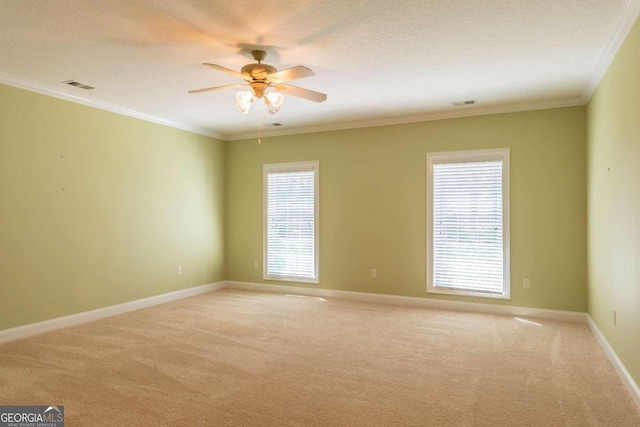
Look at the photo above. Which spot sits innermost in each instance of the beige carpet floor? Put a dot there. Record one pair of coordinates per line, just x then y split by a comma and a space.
256, 359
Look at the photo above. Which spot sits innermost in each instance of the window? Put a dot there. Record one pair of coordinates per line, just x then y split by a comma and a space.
290, 222
468, 223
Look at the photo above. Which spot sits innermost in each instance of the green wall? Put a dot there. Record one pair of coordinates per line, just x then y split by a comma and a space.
97, 208
373, 203
614, 204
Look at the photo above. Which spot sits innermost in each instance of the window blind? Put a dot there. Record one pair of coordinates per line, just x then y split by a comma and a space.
291, 224
468, 226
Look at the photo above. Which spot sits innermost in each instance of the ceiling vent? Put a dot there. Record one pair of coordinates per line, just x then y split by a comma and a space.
462, 103
78, 84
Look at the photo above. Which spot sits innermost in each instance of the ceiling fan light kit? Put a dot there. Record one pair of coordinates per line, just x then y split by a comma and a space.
266, 82
245, 99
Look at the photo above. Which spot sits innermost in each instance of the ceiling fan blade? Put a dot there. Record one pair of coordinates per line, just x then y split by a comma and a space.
227, 70
301, 93
207, 89
290, 74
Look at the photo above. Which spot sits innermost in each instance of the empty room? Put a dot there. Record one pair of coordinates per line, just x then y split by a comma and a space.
320, 213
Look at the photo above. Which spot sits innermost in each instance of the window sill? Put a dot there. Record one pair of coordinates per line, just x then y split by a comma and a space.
466, 293
313, 281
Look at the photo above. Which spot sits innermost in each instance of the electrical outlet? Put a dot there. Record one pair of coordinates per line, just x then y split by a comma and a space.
526, 283
255, 264
179, 270
374, 273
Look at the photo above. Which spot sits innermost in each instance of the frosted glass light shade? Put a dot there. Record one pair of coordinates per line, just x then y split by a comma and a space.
245, 99
273, 101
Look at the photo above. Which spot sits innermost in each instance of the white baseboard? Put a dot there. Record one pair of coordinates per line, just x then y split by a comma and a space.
100, 313
437, 304
617, 364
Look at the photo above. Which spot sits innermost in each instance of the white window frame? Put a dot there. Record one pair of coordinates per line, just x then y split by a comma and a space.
284, 168
460, 157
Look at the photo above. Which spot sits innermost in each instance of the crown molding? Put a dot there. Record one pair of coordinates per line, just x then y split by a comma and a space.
625, 22
623, 26
21, 83
440, 115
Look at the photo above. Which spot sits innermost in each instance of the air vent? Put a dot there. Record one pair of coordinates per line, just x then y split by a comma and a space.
461, 103
276, 124
78, 84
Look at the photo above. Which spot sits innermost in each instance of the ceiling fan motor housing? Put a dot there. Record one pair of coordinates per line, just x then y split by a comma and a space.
258, 72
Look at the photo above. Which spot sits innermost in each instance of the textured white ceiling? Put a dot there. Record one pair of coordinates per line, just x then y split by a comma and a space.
378, 61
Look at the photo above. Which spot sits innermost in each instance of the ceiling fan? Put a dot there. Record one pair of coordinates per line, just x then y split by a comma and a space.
267, 83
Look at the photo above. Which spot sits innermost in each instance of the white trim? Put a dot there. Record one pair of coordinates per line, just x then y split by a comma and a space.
100, 313
470, 156
623, 26
436, 304
432, 303
618, 366
415, 118
31, 86
302, 166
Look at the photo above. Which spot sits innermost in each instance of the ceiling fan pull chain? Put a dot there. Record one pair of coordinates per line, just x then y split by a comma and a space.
264, 116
